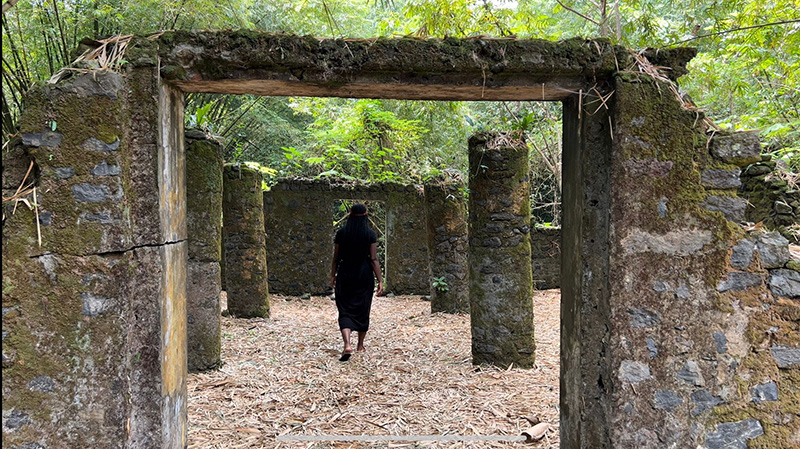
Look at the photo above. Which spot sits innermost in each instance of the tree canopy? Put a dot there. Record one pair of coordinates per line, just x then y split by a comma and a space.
746, 76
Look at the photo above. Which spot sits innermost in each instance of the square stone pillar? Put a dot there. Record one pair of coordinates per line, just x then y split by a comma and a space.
448, 244
94, 318
204, 224
501, 283
245, 250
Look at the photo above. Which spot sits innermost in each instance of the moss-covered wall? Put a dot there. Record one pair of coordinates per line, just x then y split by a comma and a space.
501, 283
701, 353
299, 226
407, 257
82, 356
298, 219
204, 228
546, 257
244, 242
446, 208
771, 200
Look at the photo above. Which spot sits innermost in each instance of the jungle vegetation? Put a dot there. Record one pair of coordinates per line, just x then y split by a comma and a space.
746, 76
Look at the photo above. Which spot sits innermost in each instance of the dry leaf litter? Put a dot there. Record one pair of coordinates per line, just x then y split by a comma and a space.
282, 377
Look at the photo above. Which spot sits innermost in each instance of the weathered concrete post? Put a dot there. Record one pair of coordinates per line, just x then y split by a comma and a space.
446, 208
245, 250
501, 283
204, 231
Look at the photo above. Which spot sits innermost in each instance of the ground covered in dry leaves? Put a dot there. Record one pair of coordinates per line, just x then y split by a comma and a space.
282, 377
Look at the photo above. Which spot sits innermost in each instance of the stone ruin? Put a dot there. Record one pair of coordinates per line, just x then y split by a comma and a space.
678, 326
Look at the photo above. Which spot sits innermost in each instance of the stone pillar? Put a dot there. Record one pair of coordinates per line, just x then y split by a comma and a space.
93, 275
446, 209
546, 257
501, 284
245, 250
204, 229
406, 245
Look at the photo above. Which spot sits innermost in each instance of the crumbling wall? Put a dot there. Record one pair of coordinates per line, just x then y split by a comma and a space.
770, 199
204, 229
299, 226
84, 364
546, 257
244, 242
500, 279
448, 243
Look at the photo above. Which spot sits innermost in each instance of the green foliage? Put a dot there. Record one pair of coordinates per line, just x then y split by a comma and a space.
440, 285
745, 79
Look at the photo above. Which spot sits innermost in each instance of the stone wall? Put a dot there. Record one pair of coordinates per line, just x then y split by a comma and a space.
204, 230
448, 241
85, 274
243, 242
697, 342
771, 200
298, 221
546, 257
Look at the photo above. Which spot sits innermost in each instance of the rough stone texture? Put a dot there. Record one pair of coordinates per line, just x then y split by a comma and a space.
446, 210
82, 355
666, 400
786, 357
253, 62
771, 200
732, 208
546, 257
767, 392
203, 315
785, 283
721, 179
738, 148
245, 250
204, 229
298, 219
643, 317
773, 249
739, 281
407, 258
501, 309
633, 372
299, 235
734, 435
742, 253
704, 401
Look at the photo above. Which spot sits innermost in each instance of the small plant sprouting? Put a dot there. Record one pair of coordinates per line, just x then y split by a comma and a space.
440, 285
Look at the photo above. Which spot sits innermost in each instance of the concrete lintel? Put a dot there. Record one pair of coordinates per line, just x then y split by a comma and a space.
405, 87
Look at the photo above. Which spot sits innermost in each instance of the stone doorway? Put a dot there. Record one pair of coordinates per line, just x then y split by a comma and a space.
643, 241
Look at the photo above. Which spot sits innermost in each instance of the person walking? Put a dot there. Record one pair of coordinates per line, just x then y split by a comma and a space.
355, 260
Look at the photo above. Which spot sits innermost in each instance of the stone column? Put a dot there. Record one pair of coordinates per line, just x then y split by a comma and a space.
406, 245
546, 257
501, 283
93, 275
204, 229
446, 209
245, 250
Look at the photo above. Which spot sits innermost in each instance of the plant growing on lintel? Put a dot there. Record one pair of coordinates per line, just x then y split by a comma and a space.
440, 285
